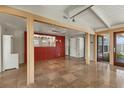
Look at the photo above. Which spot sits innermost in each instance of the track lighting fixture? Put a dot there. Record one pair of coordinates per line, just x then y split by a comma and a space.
73, 20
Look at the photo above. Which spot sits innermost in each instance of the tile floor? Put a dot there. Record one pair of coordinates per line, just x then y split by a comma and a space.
66, 73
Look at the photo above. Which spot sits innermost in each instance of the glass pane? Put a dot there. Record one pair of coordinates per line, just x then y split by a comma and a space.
120, 48
103, 48
106, 48
100, 47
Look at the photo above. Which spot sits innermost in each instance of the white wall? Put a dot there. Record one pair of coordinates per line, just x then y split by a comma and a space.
73, 43
81, 47
19, 44
81, 44
66, 46
76, 46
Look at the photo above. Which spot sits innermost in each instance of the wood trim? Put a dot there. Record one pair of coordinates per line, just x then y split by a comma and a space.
87, 48
102, 32
115, 62
59, 24
114, 40
23, 14
0, 51
118, 29
98, 59
30, 51
111, 48
12, 11
95, 48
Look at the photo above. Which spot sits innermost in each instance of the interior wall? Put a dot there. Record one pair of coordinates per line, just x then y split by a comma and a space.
19, 44
18, 41
81, 45
76, 46
66, 46
73, 44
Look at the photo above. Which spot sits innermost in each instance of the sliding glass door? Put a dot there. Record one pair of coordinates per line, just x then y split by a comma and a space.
100, 48
119, 48
103, 48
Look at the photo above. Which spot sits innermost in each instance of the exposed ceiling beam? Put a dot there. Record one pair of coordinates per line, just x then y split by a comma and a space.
81, 11
100, 16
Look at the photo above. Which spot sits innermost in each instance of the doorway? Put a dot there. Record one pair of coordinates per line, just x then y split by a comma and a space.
103, 48
77, 47
119, 48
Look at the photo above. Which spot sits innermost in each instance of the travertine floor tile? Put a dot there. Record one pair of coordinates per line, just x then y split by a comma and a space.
69, 77
66, 73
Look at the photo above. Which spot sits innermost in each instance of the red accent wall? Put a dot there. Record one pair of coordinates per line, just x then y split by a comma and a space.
46, 53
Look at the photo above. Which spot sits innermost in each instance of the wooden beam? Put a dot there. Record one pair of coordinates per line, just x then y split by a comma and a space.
63, 25
118, 29
87, 44
12, 11
111, 48
0, 51
102, 32
30, 50
95, 48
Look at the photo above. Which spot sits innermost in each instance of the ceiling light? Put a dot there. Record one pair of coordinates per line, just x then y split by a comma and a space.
73, 20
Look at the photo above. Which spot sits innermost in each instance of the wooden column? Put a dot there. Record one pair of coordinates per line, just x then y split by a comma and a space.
87, 47
95, 48
30, 50
111, 48
0, 51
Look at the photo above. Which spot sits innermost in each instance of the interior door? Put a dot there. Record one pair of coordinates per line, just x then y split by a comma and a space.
100, 48
119, 48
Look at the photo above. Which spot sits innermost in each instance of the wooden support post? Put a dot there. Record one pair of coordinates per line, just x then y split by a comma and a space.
111, 48
87, 43
0, 51
95, 48
30, 51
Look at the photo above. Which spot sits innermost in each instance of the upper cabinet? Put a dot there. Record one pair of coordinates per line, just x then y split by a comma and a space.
44, 41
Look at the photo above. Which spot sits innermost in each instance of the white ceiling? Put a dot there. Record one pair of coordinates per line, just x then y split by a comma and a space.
96, 18
114, 14
50, 29
16, 24
12, 22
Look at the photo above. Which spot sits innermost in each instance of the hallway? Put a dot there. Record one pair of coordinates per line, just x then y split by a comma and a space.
65, 72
